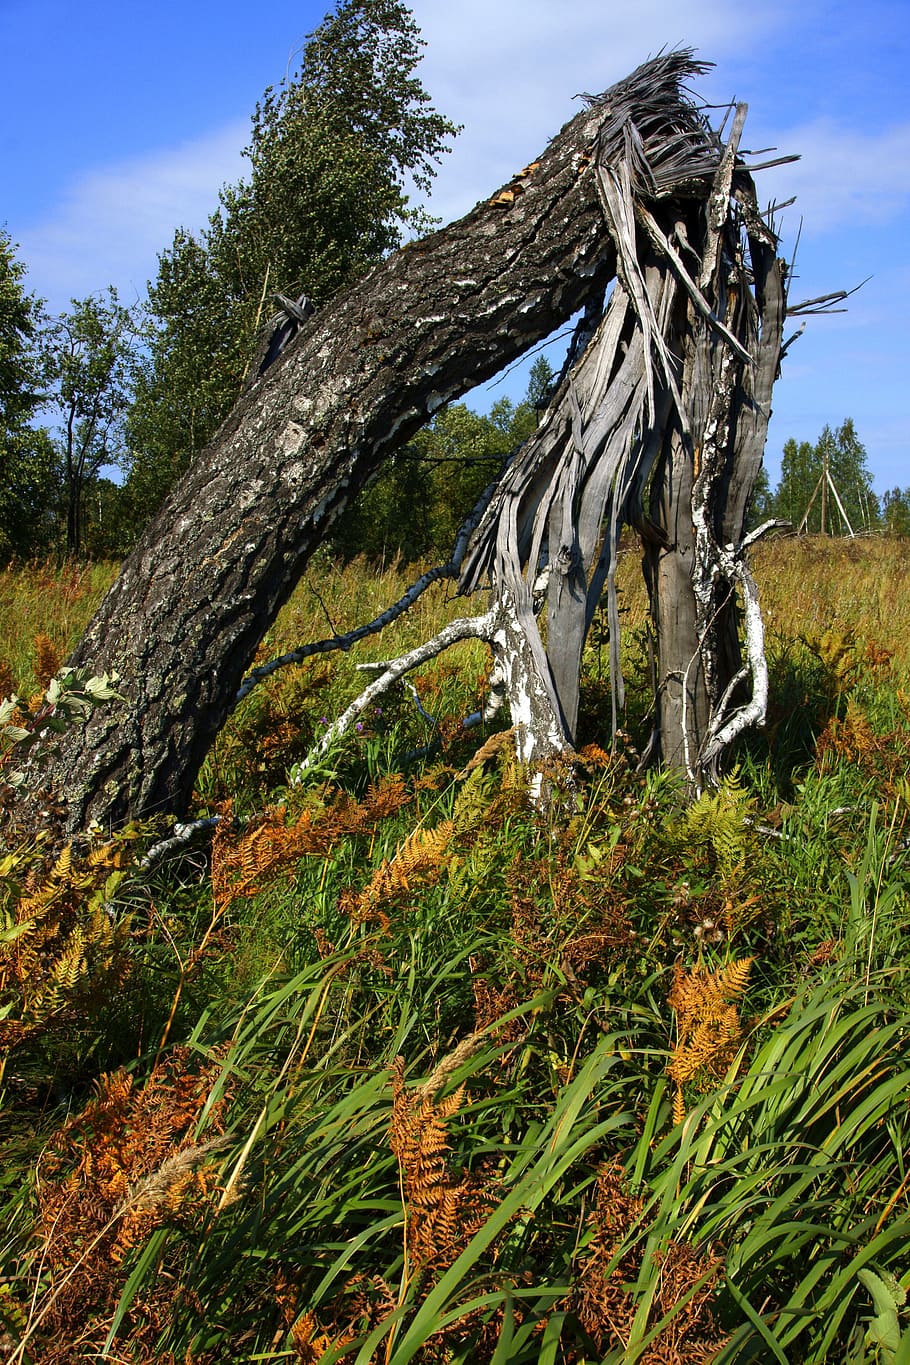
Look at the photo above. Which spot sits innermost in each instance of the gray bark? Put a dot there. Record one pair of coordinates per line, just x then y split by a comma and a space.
183, 621
672, 396
668, 404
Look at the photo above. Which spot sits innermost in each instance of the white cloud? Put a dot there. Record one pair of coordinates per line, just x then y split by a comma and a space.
508, 70
109, 224
844, 178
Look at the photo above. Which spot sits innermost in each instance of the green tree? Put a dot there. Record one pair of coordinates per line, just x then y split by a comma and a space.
813, 478
896, 511
28, 485
332, 155
107, 519
761, 504
466, 451
798, 479
540, 383
189, 368
417, 504
87, 373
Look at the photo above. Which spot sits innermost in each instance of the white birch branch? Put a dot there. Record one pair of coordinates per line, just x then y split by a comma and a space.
722, 732
467, 628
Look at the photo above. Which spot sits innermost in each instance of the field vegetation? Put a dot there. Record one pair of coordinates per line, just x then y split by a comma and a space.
395, 1068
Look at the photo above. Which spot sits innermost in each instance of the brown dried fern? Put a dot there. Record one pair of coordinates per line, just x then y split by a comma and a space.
245, 860
442, 1210
611, 1264
418, 860
707, 1021
129, 1162
47, 661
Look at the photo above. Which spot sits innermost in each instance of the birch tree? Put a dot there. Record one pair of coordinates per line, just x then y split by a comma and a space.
659, 421
87, 377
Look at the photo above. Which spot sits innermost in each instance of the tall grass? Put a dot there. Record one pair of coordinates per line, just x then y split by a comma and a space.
44, 600
401, 1071
812, 585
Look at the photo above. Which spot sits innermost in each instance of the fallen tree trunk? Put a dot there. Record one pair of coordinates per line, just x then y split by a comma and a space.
184, 619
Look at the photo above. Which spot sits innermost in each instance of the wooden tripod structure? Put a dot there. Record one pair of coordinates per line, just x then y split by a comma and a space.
825, 482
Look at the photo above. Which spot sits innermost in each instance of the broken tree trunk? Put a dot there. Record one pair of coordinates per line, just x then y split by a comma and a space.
670, 405
634, 184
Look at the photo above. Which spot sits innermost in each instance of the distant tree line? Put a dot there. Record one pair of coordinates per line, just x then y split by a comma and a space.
103, 408
826, 488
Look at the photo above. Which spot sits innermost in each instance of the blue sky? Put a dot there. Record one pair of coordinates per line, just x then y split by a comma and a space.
122, 120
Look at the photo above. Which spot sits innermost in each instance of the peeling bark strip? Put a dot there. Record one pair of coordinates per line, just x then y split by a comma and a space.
671, 398
182, 622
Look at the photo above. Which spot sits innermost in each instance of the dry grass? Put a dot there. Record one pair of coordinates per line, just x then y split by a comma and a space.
817, 584
44, 607
808, 585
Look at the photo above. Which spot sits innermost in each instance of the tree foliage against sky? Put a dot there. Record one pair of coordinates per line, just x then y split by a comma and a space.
843, 455
87, 372
26, 456
332, 155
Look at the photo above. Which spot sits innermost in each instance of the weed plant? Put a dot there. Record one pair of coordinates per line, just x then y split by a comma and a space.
399, 1070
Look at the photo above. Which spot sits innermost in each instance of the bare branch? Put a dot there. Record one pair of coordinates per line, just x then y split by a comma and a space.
468, 628
824, 302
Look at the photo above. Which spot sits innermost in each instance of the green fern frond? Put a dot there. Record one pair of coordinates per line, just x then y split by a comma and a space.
472, 801
719, 820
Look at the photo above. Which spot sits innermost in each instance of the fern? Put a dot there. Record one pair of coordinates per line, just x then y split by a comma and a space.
130, 1161
707, 1020
57, 934
610, 1265
48, 658
719, 822
245, 860
419, 859
442, 1211
473, 800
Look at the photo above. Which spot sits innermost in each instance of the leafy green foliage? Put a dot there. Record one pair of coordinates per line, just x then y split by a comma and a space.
420, 499
73, 695
332, 154
29, 477
884, 1332
87, 367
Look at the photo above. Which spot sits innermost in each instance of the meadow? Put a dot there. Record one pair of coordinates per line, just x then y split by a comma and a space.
395, 1068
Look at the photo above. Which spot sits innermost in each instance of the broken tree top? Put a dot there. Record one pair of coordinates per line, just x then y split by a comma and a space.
648, 121
359, 378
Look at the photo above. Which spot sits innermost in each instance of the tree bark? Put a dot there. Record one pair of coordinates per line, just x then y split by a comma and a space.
192, 602
671, 395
